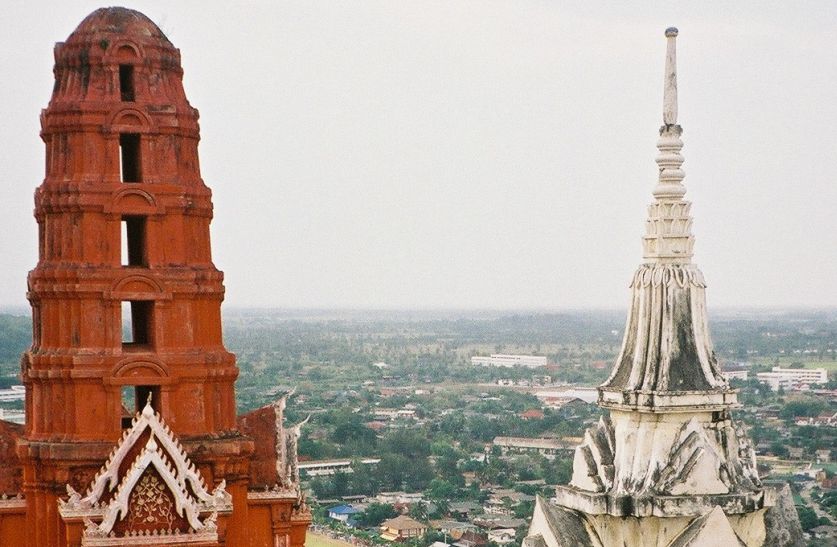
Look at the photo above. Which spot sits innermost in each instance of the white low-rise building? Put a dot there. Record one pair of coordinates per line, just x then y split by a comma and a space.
316, 468
586, 394
14, 393
505, 360
501, 536
399, 497
737, 374
14, 416
546, 447
793, 378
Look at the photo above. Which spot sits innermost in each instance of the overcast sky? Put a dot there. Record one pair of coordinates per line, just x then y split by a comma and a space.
475, 154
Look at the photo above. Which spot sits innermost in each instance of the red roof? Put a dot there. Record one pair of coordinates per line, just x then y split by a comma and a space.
532, 414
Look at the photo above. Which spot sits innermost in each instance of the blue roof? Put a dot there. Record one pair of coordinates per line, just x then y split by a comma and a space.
343, 510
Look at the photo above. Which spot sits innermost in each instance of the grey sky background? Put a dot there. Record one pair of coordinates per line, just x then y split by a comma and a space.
475, 154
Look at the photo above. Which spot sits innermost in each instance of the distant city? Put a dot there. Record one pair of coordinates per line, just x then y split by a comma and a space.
406, 415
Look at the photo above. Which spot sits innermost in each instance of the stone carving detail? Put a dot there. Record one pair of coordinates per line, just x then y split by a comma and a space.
746, 457
593, 462
281, 444
291, 442
287, 462
667, 275
703, 459
150, 505
301, 511
12, 502
275, 492
694, 466
153, 500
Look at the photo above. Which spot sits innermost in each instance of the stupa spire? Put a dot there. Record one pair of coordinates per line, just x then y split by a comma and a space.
670, 84
668, 236
667, 346
666, 464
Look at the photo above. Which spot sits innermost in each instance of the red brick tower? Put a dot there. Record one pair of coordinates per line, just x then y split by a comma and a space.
125, 297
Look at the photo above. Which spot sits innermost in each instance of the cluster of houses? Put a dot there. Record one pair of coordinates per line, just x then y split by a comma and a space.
468, 524
821, 451
823, 420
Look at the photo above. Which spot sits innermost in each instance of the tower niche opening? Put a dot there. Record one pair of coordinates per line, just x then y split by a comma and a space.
133, 241
137, 324
129, 154
126, 83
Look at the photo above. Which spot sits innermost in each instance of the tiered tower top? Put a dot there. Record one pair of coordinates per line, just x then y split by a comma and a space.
125, 296
667, 361
668, 236
126, 309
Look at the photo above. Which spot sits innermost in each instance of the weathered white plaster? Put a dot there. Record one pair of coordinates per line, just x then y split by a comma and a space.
668, 467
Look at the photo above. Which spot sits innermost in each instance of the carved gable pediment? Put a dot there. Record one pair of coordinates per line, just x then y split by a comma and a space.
148, 491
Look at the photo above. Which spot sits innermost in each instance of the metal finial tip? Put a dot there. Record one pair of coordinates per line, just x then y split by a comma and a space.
671, 32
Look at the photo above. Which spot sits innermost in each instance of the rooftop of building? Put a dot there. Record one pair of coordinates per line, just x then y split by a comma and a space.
343, 510
402, 522
118, 22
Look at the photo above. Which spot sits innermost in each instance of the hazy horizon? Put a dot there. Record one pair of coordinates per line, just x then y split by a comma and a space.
716, 312
475, 155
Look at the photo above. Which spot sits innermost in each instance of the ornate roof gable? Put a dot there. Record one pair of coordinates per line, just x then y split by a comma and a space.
148, 473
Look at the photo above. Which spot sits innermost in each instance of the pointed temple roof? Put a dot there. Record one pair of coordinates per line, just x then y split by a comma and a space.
149, 484
667, 352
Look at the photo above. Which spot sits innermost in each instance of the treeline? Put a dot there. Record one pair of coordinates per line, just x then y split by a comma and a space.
15, 338
767, 335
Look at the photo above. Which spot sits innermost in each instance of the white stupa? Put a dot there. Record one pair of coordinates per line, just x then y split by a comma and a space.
667, 465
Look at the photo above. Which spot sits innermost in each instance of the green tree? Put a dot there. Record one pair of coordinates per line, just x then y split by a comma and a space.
353, 431
364, 480
376, 513
409, 443
391, 471
446, 461
15, 336
340, 483
802, 407
440, 489
418, 511
557, 471
524, 509
779, 449
807, 517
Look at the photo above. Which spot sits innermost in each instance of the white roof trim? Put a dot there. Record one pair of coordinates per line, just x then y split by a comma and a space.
179, 474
